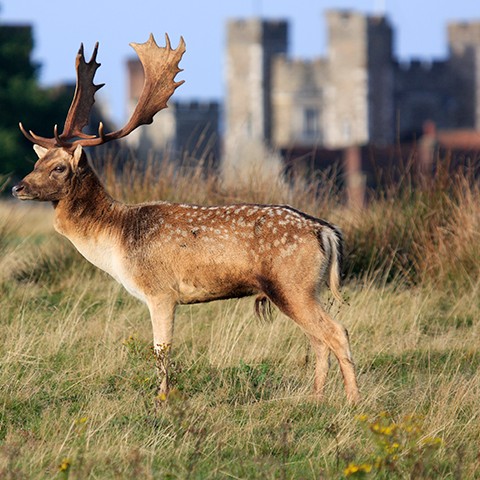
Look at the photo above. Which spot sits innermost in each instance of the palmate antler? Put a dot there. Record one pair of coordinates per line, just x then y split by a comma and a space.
160, 65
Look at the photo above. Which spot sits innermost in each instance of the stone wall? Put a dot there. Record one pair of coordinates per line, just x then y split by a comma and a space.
425, 92
298, 102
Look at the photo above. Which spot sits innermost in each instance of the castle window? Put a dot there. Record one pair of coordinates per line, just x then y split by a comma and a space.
311, 124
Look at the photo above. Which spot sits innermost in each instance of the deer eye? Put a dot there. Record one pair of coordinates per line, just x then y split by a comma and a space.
59, 168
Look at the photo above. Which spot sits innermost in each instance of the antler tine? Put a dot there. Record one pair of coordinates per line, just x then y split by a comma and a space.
93, 58
28, 135
168, 45
42, 141
58, 138
101, 133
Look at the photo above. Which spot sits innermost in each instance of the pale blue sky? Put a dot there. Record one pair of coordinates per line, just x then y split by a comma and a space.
60, 27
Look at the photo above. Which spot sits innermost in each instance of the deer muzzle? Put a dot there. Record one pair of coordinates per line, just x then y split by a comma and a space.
22, 192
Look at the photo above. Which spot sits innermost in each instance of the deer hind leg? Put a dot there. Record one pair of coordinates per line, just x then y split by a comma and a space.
325, 335
322, 365
338, 342
162, 315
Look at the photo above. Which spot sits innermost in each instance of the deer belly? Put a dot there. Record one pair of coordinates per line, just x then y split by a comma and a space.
193, 292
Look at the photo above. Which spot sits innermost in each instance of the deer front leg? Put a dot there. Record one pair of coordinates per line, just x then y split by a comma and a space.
162, 311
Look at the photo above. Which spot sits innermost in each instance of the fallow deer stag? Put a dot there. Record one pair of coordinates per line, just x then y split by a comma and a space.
169, 254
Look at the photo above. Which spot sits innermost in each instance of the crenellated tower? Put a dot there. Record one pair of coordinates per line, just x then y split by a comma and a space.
464, 60
360, 93
251, 46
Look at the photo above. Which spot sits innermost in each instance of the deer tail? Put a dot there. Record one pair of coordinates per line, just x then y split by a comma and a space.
333, 246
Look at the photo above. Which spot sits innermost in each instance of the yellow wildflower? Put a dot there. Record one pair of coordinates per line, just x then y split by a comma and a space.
353, 468
162, 396
65, 465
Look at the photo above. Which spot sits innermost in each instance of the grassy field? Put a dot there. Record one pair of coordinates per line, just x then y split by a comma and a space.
77, 377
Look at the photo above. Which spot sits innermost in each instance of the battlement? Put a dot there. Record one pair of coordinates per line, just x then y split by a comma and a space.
344, 15
422, 66
464, 26
246, 30
347, 22
243, 23
378, 21
195, 106
347, 16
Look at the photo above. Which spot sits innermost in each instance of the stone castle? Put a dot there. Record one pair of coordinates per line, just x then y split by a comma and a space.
358, 94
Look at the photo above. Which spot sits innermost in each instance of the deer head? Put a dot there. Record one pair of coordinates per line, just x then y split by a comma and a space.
61, 158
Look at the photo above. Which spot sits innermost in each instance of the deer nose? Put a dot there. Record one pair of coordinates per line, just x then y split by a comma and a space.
17, 188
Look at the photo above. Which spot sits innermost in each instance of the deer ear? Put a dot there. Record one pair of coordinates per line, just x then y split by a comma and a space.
77, 157
40, 151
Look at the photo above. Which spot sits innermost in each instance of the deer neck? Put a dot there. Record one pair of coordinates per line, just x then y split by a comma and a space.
88, 210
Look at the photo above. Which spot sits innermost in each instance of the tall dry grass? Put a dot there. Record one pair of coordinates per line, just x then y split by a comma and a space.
77, 373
